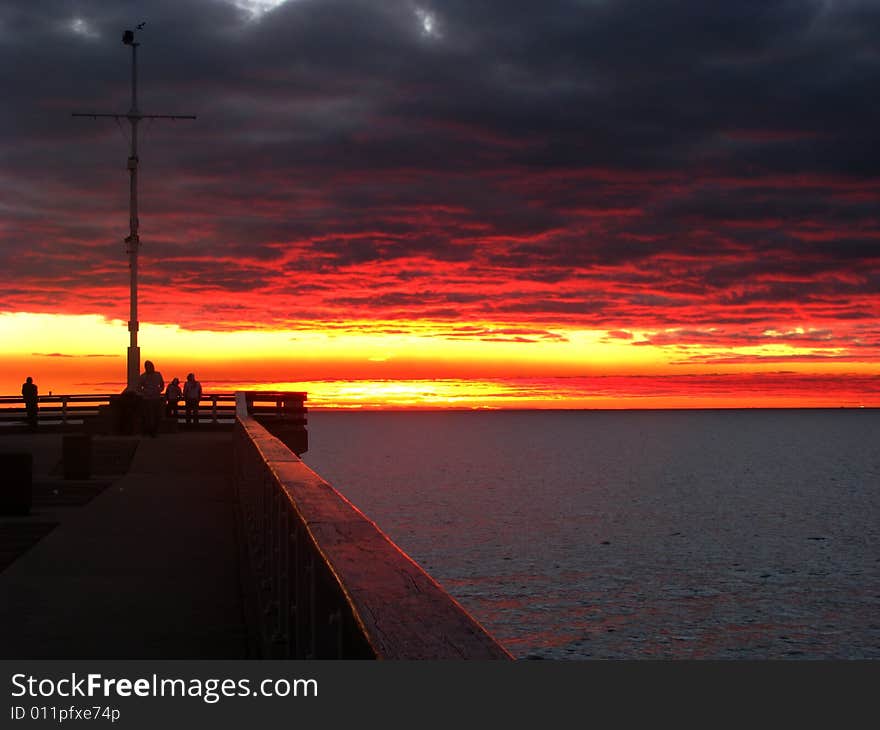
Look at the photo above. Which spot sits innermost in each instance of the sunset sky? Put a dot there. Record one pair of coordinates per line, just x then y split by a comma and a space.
565, 203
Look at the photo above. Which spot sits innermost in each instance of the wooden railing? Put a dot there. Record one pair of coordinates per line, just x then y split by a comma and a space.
64, 410
330, 583
74, 410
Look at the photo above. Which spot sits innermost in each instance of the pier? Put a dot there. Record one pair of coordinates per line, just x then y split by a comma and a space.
216, 542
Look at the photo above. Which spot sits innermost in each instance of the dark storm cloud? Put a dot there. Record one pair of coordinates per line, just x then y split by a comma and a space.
686, 161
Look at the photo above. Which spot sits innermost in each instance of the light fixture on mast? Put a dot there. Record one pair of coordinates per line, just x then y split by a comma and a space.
132, 241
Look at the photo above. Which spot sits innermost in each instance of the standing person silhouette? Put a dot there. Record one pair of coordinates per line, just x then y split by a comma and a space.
192, 394
151, 387
29, 393
172, 397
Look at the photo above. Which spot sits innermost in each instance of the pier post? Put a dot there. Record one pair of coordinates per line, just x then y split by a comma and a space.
16, 495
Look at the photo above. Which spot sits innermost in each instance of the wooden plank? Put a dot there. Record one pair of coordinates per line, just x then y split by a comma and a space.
405, 612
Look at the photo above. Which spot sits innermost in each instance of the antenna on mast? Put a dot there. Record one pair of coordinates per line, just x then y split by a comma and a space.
132, 240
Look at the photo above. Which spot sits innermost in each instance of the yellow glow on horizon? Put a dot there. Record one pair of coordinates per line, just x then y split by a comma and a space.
23, 334
88, 351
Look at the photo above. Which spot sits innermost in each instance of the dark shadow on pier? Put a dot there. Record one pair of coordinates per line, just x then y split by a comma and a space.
148, 566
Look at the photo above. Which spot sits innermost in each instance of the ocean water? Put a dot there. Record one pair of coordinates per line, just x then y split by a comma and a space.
738, 534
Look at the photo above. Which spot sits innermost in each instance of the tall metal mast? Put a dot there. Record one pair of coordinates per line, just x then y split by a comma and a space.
133, 241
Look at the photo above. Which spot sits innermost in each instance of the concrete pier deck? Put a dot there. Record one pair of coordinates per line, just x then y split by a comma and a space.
151, 567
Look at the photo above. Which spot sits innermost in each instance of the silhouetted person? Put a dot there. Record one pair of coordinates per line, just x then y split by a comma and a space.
173, 394
192, 394
29, 393
151, 387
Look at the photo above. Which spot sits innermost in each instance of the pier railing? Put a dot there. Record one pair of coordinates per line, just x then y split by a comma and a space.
330, 583
79, 411
55, 410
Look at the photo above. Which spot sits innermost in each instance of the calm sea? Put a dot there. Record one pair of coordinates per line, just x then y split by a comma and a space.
742, 534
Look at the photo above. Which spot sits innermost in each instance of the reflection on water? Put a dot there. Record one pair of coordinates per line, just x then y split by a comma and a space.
679, 534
